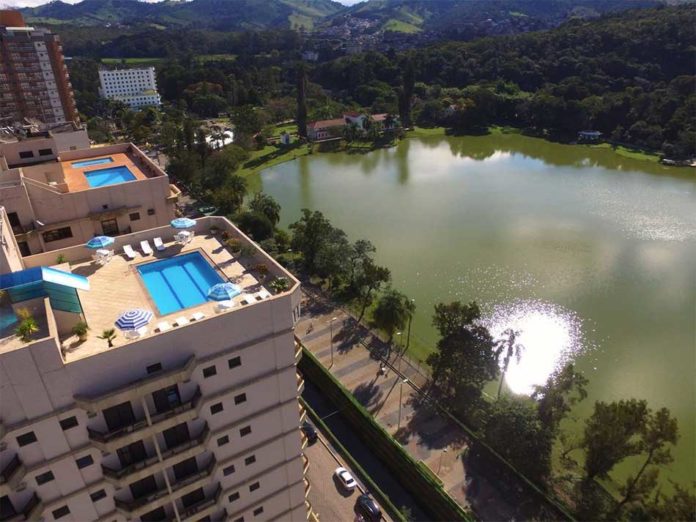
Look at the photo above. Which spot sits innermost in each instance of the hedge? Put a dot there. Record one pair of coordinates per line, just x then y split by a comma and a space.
426, 490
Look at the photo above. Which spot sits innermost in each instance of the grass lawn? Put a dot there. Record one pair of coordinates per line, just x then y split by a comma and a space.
290, 128
216, 57
425, 132
269, 156
132, 61
399, 26
628, 153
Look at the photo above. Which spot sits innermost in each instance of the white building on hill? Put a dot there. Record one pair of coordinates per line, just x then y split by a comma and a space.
134, 87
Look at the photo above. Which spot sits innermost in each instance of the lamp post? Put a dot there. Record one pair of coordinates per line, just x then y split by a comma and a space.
401, 392
331, 329
440, 464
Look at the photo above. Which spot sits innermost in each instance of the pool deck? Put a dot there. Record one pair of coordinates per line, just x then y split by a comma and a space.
76, 180
117, 287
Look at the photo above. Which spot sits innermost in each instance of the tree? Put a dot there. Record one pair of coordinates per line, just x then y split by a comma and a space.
406, 94
612, 433
108, 335
370, 280
513, 429
229, 198
392, 312
507, 347
255, 224
302, 100
331, 259
360, 252
202, 145
563, 389
266, 205
308, 235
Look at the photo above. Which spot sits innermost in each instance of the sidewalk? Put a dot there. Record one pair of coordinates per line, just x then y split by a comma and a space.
394, 401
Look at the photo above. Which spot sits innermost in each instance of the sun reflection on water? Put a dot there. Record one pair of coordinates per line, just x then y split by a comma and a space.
550, 334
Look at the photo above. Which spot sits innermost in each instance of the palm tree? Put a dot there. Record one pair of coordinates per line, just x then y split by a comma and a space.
266, 205
392, 312
108, 335
509, 347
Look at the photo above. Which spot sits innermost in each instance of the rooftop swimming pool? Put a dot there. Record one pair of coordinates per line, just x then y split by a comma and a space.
89, 163
109, 176
179, 282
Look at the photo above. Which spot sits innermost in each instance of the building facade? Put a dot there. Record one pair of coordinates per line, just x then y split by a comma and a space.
135, 87
196, 422
81, 193
34, 81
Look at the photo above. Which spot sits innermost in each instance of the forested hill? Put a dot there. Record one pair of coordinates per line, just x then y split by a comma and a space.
629, 75
225, 15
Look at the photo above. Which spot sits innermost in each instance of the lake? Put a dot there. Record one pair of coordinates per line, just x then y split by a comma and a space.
588, 253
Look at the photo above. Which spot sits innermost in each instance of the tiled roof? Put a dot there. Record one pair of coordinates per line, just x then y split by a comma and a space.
325, 124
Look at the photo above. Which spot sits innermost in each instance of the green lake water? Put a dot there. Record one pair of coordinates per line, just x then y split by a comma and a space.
590, 254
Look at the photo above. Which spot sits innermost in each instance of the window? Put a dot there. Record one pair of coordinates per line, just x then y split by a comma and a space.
85, 461
246, 430
98, 495
60, 512
68, 423
135, 216
223, 440
254, 486
154, 368
216, 408
240, 398
110, 227
228, 470
209, 371
258, 511
249, 460
26, 438
26, 154
150, 211
234, 362
45, 152
58, 233
44, 477
234, 496
240, 519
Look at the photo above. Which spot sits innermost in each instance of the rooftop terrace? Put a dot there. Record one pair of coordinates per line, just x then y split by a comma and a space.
117, 285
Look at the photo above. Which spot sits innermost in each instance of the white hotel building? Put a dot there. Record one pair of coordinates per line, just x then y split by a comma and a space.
134, 87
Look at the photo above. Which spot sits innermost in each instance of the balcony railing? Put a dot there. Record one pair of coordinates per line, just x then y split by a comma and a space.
109, 436
31, 511
13, 472
171, 452
193, 510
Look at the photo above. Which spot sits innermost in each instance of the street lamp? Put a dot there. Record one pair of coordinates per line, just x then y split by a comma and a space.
401, 392
331, 328
441, 455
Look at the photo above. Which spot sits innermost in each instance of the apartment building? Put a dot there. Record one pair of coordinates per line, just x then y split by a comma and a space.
59, 192
191, 420
135, 87
34, 81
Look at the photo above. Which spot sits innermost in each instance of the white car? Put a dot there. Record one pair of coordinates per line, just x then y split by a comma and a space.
345, 478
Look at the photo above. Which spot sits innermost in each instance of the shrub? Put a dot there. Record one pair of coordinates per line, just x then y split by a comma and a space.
280, 284
26, 329
235, 245
80, 329
256, 225
261, 269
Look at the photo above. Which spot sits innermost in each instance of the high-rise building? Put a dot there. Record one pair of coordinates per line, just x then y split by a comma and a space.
135, 87
194, 416
34, 80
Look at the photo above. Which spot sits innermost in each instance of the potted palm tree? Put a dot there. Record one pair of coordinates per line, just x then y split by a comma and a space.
108, 335
80, 330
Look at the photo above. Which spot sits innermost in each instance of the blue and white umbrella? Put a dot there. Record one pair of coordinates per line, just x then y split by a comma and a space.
223, 291
100, 242
133, 319
183, 223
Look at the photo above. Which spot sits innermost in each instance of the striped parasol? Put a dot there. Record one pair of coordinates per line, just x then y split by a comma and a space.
183, 222
133, 319
100, 242
223, 291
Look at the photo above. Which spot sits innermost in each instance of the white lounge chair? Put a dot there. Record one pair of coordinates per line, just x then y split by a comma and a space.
158, 244
181, 321
128, 250
224, 305
264, 294
146, 248
163, 326
198, 316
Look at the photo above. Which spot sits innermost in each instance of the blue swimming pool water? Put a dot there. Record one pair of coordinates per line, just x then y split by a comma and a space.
179, 282
110, 176
89, 163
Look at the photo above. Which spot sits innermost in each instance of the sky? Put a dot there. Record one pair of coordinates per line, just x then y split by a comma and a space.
32, 3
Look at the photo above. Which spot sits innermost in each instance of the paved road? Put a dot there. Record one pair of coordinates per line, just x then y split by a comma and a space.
361, 452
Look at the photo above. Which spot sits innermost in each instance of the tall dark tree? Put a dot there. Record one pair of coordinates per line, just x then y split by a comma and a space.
392, 312
369, 281
507, 347
405, 93
562, 390
302, 100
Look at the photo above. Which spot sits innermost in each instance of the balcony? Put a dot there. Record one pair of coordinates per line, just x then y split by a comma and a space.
12, 474
202, 509
300, 383
170, 457
31, 511
298, 352
139, 506
112, 440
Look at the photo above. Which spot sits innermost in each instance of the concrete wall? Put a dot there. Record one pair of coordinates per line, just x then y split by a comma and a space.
10, 259
58, 143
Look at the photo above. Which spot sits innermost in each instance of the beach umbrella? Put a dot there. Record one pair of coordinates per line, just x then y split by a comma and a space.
100, 242
133, 319
183, 223
223, 291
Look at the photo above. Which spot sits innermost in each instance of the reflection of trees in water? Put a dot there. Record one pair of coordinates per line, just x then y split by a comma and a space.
305, 177
370, 160
474, 147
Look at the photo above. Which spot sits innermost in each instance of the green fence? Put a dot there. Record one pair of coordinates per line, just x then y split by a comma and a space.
424, 486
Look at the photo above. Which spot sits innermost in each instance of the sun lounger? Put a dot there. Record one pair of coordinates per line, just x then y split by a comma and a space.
181, 321
224, 305
128, 250
158, 244
146, 248
163, 326
264, 294
198, 316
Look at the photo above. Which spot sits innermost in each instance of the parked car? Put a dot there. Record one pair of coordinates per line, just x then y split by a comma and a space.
368, 508
310, 432
345, 478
